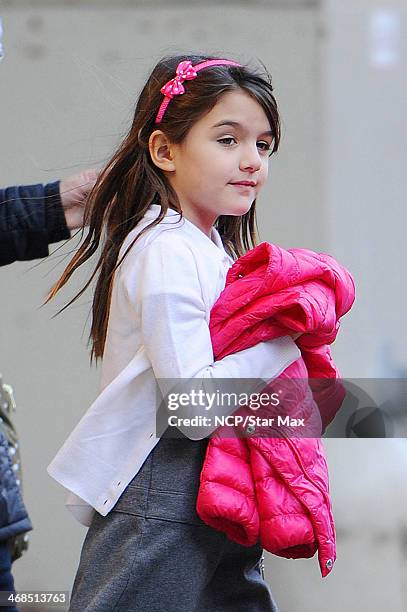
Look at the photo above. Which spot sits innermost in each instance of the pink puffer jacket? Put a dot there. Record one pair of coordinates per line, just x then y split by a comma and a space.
263, 487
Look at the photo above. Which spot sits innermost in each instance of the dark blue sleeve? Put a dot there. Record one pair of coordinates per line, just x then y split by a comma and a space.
31, 218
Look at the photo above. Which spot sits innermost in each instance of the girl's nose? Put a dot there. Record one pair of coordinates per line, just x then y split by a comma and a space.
251, 160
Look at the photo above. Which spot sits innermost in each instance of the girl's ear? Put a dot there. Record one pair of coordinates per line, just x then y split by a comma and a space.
161, 151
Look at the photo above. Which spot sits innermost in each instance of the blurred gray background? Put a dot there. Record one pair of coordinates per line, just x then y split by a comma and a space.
68, 85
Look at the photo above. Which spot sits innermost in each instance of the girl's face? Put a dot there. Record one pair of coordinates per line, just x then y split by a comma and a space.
229, 144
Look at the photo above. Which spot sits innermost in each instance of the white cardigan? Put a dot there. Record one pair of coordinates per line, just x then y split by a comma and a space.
158, 328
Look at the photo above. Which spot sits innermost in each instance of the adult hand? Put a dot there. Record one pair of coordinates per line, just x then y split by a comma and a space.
74, 191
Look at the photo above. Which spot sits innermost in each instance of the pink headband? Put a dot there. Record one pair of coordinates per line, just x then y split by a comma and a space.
185, 72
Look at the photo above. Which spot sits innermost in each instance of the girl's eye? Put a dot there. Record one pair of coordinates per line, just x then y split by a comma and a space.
266, 145
227, 138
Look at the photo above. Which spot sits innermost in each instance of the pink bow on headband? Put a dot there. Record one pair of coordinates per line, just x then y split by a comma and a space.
185, 71
174, 87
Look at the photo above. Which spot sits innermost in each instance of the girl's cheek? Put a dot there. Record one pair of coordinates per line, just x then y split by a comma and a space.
266, 171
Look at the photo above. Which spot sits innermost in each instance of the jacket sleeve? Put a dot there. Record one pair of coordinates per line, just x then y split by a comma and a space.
31, 218
177, 340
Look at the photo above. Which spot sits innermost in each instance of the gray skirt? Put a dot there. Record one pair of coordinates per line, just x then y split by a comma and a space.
152, 552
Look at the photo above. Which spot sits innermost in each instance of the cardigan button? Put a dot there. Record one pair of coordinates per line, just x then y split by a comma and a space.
329, 564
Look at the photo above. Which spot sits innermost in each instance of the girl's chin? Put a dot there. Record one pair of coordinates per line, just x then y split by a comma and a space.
236, 208
241, 209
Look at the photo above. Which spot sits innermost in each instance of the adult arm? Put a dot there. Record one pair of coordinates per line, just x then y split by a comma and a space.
31, 218
34, 216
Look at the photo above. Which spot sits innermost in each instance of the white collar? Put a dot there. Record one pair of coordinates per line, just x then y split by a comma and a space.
214, 242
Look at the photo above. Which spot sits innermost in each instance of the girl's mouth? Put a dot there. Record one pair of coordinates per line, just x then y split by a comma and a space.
242, 187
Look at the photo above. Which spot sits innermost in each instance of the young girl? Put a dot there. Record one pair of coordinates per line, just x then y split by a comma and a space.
172, 210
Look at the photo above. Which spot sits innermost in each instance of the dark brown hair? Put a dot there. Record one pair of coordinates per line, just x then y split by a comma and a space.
130, 182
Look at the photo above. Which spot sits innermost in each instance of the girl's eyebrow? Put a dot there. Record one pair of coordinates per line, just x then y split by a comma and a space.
238, 125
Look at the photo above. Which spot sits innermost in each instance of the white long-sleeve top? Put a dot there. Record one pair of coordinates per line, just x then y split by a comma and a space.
158, 328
